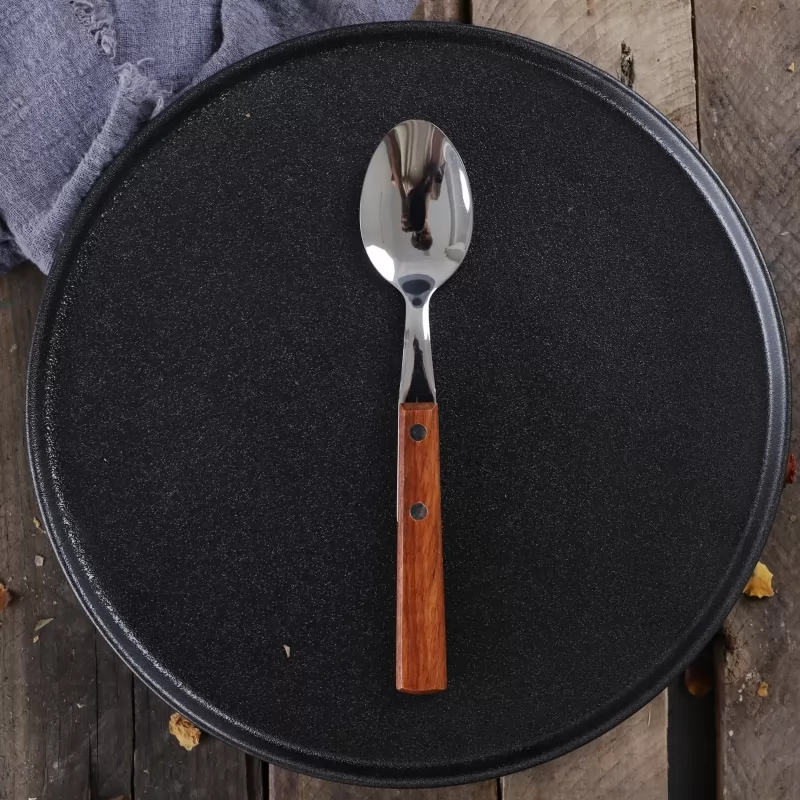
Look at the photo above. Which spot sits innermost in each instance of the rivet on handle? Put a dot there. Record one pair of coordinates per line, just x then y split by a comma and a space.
418, 432
419, 511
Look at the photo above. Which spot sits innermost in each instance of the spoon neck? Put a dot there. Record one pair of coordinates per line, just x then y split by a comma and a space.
416, 377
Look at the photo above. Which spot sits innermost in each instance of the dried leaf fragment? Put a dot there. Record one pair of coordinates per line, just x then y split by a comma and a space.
188, 735
287, 650
791, 470
38, 560
37, 524
36, 638
763, 690
760, 583
5, 598
791, 67
41, 623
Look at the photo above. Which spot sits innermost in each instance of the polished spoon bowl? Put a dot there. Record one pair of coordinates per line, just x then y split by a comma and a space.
416, 225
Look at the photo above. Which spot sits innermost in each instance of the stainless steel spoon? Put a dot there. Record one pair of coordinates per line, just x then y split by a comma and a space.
416, 224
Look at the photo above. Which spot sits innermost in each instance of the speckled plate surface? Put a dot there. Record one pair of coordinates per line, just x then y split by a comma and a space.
212, 407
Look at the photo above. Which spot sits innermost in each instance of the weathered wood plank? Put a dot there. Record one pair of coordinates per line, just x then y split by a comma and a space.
628, 763
750, 132
286, 785
658, 33
112, 733
48, 701
443, 10
44, 736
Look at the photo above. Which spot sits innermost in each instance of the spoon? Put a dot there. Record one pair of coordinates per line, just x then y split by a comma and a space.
416, 224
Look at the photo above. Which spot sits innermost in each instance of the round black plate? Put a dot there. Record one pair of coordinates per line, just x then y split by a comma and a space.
213, 390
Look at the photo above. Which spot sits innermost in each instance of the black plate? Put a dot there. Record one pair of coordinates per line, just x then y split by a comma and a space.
212, 407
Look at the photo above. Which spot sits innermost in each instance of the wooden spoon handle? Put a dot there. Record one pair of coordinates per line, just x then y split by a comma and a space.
421, 662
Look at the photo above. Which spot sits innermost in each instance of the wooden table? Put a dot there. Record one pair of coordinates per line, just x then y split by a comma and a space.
76, 725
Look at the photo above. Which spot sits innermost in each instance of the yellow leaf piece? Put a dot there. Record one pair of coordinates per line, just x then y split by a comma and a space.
41, 623
760, 583
763, 690
188, 735
791, 67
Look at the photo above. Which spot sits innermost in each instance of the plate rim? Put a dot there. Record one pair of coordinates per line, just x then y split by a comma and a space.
763, 510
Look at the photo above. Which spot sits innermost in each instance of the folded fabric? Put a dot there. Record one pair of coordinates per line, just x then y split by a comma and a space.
79, 78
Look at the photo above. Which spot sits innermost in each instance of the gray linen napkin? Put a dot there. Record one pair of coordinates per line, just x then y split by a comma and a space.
79, 78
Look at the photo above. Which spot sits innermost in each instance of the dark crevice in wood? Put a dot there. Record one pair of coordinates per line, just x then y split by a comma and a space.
466, 11
254, 777
691, 756
696, 77
499, 789
132, 684
719, 709
91, 788
94, 769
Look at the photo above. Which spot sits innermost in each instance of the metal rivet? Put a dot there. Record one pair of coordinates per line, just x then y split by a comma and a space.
419, 511
418, 432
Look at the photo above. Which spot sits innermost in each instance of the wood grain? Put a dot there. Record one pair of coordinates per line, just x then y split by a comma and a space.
750, 132
286, 785
112, 734
628, 763
443, 11
421, 660
658, 33
49, 702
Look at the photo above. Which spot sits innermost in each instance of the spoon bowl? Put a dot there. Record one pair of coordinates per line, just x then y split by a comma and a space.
416, 209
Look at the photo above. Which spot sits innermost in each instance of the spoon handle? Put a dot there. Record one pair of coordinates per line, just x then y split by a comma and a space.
421, 661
